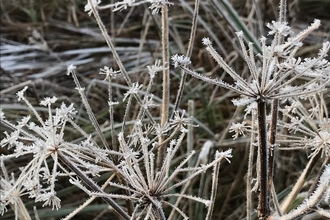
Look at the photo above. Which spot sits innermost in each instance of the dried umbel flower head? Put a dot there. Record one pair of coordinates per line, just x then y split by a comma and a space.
276, 73
43, 141
311, 126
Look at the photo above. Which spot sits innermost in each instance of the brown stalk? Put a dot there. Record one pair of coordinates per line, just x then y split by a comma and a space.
166, 83
263, 206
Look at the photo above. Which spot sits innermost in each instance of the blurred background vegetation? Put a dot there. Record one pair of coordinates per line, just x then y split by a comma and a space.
40, 38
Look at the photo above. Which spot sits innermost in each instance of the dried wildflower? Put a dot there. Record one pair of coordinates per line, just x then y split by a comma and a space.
50, 199
239, 129
279, 27
274, 78
20, 94
44, 141
88, 7
154, 69
150, 188
321, 143
312, 128
179, 121
133, 90
48, 101
180, 60
109, 73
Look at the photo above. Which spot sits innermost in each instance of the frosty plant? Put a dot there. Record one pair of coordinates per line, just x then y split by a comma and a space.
147, 187
276, 75
149, 170
139, 158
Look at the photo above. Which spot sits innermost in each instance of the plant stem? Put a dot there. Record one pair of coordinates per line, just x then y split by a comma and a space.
92, 185
214, 189
274, 111
166, 82
249, 203
263, 206
188, 54
272, 140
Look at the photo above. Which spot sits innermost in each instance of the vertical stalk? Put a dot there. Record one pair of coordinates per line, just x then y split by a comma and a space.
272, 140
214, 189
111, 118
271, 156
278, 39
263, 206
273, 125
115, 54
188, 54
249, 203
190, 145
166, 82
190, 135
